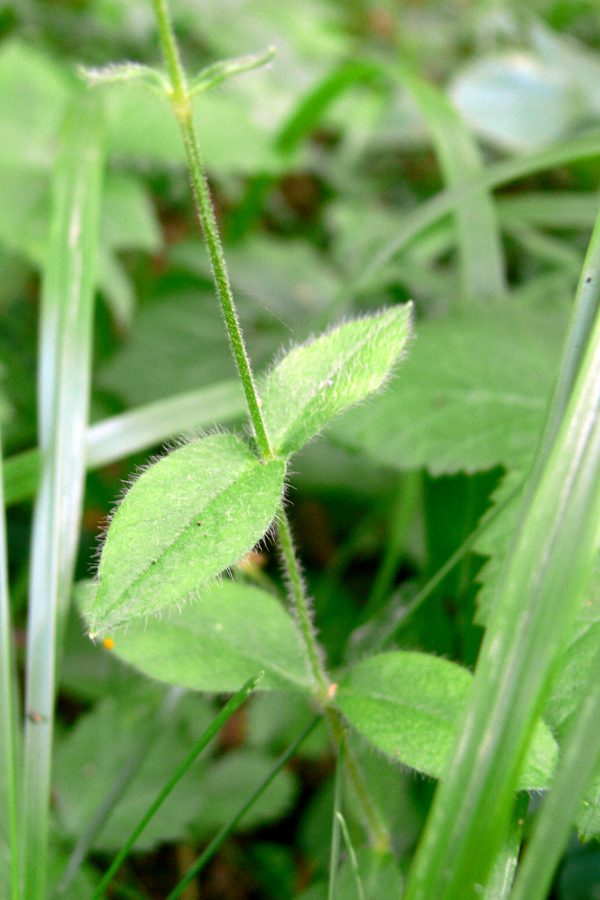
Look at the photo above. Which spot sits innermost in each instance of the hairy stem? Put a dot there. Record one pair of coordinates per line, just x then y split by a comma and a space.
182, 106
300, 603
375, 824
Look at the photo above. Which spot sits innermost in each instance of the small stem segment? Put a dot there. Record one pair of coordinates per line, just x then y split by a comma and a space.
299, 600
375, 824
182, 106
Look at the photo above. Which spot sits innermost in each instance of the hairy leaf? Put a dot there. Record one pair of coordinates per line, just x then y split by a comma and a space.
472, 394
410, 705
216, 643
187, 518
319, 379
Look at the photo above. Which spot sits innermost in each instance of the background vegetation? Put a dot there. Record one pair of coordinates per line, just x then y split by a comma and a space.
443, 152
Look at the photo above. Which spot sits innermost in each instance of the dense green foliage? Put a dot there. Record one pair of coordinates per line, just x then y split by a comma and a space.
438, 460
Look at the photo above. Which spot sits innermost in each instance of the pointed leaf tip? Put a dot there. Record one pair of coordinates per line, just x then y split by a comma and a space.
322, 377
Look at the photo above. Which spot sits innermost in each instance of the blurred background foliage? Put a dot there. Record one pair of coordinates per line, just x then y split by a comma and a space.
319, 163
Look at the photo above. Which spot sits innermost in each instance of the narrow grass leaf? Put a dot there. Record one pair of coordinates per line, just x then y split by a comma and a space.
216, 642
318, 380
503, 871
222, 717
448, 200
545, 577
308, 112
116, 791
9, 844
334, 852
579, 756
64, 376
410, 705
186, 519
214, 845
479, 241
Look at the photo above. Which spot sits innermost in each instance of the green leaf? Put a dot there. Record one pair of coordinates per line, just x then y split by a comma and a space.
119, 73
182, 333
218, 642
319, 379
225, 68
187, 518
410, 705
472, 394
128, 218
28, 128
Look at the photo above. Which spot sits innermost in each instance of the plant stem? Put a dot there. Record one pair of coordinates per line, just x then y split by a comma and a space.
182, 105
300, 603
183, 110
373, 821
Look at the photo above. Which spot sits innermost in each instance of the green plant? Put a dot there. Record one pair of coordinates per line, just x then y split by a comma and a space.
159, 604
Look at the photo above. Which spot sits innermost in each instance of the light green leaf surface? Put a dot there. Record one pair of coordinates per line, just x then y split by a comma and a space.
128, 218
187, 518
410, 705
33, 95
317, 380
178, 343
523, 99
571, 678
471, 394
219, 641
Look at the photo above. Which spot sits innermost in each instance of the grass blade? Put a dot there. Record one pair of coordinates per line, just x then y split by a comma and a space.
352, 856
544, 579
448, 200
116, 791
9, 849
479, 242
216, 842
505, 864
334, 855
64, 375
580, 755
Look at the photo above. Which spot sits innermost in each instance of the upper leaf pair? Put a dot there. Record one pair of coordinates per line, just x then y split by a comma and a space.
202, 507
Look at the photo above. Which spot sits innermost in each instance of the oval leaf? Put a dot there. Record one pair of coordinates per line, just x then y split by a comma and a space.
318, 380
473, 394
410, 704
185, 520
218, 642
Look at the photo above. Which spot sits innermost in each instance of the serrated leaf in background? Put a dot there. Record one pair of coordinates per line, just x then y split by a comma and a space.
472, 394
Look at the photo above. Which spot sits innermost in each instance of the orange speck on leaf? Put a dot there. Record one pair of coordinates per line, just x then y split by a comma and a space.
108, 643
